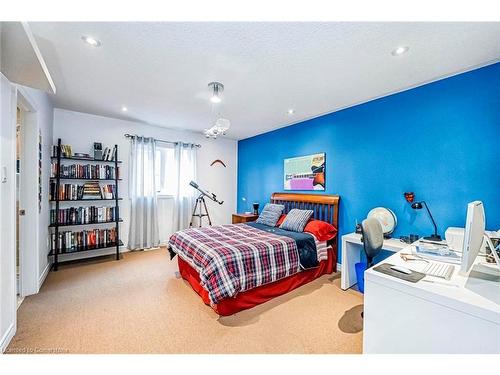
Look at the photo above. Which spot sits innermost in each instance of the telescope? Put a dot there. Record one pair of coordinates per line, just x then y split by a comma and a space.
205, 193
201, 205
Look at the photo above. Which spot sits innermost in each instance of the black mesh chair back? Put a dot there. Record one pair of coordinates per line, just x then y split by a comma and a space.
373, 238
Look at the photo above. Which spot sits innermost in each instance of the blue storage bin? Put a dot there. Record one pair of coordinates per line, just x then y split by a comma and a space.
360, 275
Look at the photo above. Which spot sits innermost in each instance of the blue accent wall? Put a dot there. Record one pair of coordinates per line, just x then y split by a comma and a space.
440, 140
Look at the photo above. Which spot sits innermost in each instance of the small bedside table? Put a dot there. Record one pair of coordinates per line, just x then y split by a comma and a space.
244, 218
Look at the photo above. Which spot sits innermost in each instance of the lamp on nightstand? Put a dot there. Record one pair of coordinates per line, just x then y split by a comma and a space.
410, 197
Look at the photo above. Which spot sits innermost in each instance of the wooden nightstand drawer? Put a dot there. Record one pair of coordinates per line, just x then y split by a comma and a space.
244, 218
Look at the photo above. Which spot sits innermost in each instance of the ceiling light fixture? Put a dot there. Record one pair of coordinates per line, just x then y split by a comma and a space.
221, 125
291, 111
399, 51
91, 41
217, 89
124, 109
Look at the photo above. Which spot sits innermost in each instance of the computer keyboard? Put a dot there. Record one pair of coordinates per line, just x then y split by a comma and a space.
436, 269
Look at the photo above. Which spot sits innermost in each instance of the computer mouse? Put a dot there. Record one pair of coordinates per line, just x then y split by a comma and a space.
401, 269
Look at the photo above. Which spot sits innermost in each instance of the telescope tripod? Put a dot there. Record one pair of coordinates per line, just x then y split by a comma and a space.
200, 205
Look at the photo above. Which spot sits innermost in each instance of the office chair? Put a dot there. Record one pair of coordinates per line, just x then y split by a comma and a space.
372, 236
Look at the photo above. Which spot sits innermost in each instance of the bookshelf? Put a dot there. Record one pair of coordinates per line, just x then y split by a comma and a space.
86, 199
83, 224
99, 226
85, 159
87, 179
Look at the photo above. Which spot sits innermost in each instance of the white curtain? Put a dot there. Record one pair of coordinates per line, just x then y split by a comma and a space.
143, 231
184, 195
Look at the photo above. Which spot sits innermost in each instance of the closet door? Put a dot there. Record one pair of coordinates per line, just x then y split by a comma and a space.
7, 212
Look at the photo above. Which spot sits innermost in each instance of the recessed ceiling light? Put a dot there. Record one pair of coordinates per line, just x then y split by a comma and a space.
124, 109
91, 41
291, 111
399, 51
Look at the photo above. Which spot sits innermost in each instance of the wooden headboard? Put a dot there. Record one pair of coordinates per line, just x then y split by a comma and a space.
325, 207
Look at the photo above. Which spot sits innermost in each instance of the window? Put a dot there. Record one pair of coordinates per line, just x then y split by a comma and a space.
165, 173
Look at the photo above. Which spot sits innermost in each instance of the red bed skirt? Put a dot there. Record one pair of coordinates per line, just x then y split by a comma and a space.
253, 297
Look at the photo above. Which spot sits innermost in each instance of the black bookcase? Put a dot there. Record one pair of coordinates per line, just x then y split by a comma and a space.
55, 202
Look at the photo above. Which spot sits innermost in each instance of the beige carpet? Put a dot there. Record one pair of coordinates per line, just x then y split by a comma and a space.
138, 305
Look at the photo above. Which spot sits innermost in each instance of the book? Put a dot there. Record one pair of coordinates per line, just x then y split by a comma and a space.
66, 191
71, 241
83, 215
83, 171
66, 151
91, 190
108, 191
82, 155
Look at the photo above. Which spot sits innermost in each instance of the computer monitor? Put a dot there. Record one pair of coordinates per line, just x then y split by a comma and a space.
475, 225
474, 235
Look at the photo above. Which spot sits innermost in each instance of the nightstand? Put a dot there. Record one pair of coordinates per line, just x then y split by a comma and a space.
244, 218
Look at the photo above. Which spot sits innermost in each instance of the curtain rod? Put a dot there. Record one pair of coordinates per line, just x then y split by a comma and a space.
161, 140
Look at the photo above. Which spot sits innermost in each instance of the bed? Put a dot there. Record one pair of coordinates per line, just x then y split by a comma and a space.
200, 252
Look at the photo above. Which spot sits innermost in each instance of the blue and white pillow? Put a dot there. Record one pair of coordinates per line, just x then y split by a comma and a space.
270, 214
296, 220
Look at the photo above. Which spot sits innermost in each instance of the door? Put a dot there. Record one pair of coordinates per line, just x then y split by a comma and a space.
27, 185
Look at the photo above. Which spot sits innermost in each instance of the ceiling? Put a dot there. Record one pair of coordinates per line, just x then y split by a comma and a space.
160, 71
20, 58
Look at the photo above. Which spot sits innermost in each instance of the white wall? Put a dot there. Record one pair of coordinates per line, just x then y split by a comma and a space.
81, 130
42, 119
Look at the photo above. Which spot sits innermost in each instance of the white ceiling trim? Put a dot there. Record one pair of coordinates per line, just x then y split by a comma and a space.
21, 60
39, 56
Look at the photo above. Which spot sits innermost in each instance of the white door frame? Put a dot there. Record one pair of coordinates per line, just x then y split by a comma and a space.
8, 300
29, 223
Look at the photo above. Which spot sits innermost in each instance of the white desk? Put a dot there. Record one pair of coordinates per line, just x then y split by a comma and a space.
351, 250
422, 317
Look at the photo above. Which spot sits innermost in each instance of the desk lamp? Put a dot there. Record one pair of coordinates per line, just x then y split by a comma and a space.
410, 197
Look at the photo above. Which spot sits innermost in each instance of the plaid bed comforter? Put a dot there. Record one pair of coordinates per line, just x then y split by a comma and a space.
236, 257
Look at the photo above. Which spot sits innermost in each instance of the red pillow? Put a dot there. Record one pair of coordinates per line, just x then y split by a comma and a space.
322, 230
280, 220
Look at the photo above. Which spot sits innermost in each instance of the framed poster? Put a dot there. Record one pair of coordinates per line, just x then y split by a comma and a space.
39, 171
305, 172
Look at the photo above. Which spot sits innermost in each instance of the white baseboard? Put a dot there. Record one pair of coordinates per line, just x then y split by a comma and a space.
154, 248
5, 341
19, 301
44, 274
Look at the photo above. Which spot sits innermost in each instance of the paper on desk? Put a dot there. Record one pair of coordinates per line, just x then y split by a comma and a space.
437, 252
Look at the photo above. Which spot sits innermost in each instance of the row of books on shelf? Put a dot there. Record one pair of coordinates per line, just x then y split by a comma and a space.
83, 215
85, 171
89, 190
70, 241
